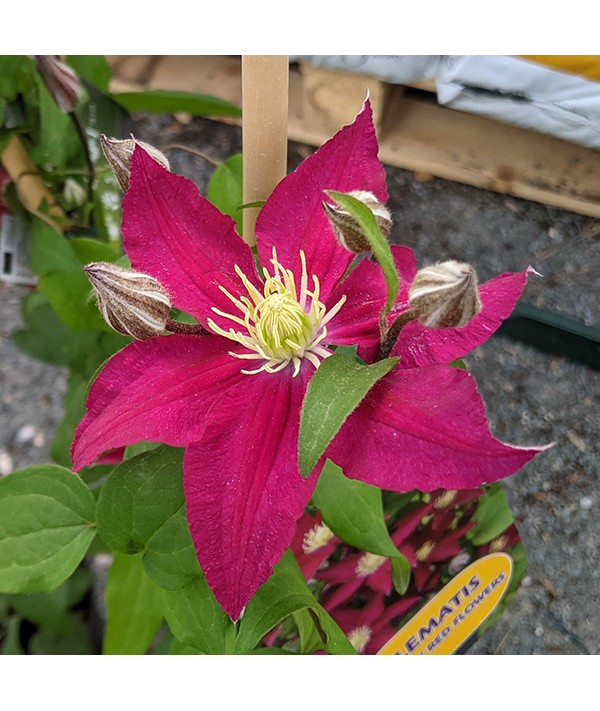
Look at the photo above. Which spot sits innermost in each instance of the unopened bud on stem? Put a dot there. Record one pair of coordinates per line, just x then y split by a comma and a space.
445, 295
347, 230
118, 153
61, 81
132, 303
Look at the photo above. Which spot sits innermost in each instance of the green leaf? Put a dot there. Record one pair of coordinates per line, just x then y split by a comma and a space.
55, 142
196, 619
74, 642
138, 497
10, 642
50, 610
353, 511
284, 593
46, 527
401, 574
89, 250
45, 334
161, 101
379, 244
46, 337
134, 449
178, 648
70, 294
225, 188
334, 392
107, 198
170, 557
310, 632
91, 68
493, 516
134, 607
74, 410
49, 250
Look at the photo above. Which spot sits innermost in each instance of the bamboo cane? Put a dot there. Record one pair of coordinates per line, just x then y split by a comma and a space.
265, 81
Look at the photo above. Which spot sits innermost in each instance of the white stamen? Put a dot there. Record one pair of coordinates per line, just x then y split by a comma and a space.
279, 326
316, 538
360, 637
368, 563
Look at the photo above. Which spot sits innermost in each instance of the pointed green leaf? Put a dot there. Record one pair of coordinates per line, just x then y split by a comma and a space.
353, 511
134, 607
401, 573
225, 188
284, 593
195, 617
46, 527
160, 101
493, 516
379, 244
334, 392
138, 497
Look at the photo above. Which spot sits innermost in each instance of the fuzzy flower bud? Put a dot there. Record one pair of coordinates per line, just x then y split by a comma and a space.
346, 228
62, 82
132, 303
445, 295
118, 153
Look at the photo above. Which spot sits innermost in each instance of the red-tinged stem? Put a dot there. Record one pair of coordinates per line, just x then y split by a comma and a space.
188, 329
391, 335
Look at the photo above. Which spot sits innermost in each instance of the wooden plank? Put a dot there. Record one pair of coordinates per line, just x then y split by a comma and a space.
479, 151
415, 133
332, 98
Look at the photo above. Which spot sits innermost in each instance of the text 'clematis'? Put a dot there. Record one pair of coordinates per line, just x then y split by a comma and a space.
233, 397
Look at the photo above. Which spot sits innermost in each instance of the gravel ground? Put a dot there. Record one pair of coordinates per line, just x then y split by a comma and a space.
532, 397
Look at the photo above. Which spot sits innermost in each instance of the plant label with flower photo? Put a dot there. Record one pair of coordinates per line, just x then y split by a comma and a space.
457, 611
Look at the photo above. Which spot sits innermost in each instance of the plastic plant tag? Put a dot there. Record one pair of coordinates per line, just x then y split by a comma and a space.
457, 611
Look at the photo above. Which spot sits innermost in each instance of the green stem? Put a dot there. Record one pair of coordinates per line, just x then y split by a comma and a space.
91, 173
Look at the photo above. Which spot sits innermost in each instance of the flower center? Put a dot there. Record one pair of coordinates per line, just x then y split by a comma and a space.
368, 563
359, 637
281, 325
425, 551
316, 538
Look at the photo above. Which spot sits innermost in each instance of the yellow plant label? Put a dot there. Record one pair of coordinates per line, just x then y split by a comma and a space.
451, 617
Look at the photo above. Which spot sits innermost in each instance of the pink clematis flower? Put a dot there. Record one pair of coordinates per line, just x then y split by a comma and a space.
233, 398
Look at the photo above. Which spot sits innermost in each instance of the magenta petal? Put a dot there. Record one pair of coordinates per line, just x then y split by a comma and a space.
293, 217
243, 490
156, 391
174, 234
366, 290
424, 428
358, 320
419, 345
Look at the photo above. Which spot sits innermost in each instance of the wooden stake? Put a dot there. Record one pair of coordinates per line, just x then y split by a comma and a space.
265, 86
